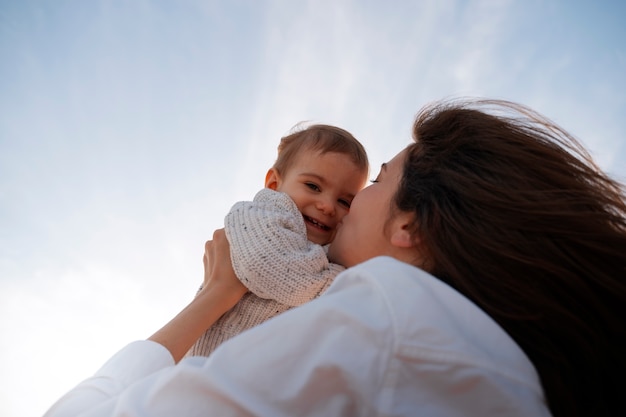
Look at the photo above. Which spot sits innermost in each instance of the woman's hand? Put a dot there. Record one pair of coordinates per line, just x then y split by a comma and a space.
218, 269
220, 292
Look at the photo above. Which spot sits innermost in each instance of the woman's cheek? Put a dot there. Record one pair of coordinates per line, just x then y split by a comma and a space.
337, 247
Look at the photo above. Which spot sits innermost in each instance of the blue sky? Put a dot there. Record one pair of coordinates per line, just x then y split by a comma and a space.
127, 130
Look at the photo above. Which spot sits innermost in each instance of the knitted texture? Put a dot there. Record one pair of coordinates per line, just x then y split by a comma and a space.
273, 258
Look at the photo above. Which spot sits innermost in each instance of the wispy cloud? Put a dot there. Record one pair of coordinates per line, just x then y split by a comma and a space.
127, 130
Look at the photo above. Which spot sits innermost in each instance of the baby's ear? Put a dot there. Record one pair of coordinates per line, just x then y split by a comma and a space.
272, 179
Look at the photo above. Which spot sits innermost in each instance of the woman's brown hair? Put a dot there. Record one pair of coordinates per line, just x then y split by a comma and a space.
513, 213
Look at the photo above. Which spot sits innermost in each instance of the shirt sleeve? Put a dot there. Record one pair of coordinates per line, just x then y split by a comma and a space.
134, 362
271, 254
314, 371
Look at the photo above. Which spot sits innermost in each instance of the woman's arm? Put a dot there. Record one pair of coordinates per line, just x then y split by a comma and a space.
315, 360
220, 292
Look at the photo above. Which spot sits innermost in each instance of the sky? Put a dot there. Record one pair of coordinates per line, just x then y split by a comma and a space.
129, 128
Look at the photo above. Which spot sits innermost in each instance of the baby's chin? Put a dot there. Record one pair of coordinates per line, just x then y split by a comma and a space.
322, 241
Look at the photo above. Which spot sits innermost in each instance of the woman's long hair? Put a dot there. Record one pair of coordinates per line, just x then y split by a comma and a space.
513, 213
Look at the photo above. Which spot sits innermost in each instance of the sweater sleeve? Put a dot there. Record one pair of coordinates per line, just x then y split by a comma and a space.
270, 252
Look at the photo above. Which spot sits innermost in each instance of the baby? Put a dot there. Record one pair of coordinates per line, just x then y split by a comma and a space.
278, 241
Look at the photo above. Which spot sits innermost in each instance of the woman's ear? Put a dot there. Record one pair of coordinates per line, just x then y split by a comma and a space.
272, 179
401, 228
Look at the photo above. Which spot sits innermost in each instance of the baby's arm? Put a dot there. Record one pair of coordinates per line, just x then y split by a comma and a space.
271, 254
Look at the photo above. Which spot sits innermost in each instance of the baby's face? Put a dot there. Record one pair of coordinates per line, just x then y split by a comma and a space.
322, 186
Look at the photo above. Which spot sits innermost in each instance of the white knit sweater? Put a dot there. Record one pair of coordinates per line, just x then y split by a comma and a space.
273, 258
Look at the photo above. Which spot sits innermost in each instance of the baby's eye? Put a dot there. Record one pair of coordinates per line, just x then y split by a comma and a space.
345, 203
312, 186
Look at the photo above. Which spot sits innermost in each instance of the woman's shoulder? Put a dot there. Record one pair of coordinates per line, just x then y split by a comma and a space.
435, 323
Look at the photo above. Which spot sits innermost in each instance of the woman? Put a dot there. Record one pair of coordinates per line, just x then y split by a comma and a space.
487, 264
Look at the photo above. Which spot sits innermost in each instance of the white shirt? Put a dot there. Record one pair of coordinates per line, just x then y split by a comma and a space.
386, 339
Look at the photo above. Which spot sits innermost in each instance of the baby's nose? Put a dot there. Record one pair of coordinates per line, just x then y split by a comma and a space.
326, 206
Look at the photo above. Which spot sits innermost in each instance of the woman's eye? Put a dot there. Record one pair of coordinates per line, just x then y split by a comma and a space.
377, 179
312, 186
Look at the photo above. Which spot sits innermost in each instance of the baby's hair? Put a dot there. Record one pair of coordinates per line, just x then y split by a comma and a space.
322, 138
